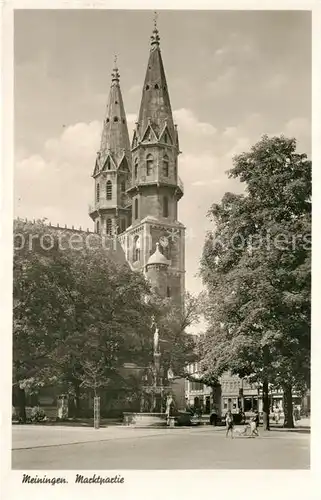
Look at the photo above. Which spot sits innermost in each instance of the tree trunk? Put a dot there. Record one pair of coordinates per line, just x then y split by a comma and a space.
77, 399
287, 407
266, 406
22, 405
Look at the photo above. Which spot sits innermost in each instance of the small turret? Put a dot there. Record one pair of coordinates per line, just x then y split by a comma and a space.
111, 211
157, 272
157, 259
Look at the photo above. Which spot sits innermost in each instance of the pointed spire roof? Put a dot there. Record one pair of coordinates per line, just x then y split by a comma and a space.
155, 108
114, 138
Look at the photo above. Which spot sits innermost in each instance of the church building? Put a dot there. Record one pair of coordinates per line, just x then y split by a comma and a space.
137, 187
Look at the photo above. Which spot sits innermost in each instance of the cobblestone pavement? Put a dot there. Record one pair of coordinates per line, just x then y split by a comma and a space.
41, 447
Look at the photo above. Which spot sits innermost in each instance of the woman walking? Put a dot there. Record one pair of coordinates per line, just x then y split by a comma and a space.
229, 423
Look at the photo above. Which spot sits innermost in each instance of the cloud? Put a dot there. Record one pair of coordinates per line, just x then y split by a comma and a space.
236, 47
189, 123
56, 182
135, 89
225, 82
298, 127
276, 81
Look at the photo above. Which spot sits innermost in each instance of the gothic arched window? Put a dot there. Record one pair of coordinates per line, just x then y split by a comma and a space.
115, 118
123, 186
123, 225
165, 206
136, 168
136, 249
165, 166
109, 226
136, 209
149, 164
109, 190
97, 192
165, 138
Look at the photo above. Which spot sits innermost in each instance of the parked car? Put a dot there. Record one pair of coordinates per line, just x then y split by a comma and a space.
186, 418
214, 418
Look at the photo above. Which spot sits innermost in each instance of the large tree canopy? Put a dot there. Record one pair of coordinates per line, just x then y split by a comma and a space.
81, 313
256, 267
174, 320
76, 310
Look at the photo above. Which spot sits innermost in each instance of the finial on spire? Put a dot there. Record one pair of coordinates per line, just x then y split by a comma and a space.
115, 74
155, 36
155, 19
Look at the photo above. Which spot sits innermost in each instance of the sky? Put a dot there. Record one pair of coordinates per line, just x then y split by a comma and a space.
232, 77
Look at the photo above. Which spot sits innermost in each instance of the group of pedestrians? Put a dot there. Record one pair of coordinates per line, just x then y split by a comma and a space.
253, 425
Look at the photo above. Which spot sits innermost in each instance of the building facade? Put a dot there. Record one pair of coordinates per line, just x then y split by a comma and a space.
235, 394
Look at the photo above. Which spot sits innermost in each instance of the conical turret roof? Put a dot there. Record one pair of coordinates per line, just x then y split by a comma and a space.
155, 108
157, 258
114, 138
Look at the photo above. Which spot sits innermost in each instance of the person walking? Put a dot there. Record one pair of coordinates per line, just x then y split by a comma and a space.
255, 421
229, 423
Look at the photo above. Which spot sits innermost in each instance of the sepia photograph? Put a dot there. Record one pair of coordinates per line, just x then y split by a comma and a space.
161, 242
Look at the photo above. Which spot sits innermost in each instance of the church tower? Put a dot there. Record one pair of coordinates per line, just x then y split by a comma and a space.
111, 211
155, 233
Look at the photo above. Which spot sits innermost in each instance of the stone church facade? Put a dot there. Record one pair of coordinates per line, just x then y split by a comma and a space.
137, 187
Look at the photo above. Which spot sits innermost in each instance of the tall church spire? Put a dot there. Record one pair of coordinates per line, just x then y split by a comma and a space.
155, 109
155, 188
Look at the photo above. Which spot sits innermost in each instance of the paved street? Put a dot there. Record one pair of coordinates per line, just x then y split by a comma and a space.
41, 447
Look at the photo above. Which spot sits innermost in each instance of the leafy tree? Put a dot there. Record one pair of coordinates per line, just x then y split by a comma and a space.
256, 267
73, 306
38, 308
173, 320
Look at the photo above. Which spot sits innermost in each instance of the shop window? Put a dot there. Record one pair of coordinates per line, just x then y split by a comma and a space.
196, 386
